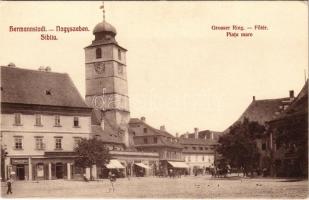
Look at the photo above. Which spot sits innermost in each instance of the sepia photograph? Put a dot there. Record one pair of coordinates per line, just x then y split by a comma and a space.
154, 99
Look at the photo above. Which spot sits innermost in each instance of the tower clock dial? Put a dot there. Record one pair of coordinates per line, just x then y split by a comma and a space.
99, 67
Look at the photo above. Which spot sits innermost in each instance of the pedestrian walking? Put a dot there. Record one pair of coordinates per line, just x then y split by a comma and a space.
9, 184
112, 178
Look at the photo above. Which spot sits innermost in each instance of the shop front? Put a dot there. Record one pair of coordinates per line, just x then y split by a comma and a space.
19, 168
114, 166
177, 168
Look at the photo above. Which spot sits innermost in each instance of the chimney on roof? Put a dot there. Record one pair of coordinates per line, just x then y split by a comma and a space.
212, 135
162, 128
291, 94
253, 98
143, 119
11, 64
196, 133
177, 135
47, 69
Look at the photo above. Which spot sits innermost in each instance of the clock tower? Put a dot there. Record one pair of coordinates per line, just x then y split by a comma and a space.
106, 81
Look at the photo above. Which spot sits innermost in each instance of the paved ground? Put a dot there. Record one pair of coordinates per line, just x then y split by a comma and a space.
150, 187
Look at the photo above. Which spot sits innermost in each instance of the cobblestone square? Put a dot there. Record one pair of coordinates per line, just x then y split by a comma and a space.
152, 187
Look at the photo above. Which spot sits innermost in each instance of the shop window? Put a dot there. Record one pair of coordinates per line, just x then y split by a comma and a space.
18, 143
201, 148
76, 122
155, 140
58, 143
39, 145
17, 117
98, 53
57, 120
38, 120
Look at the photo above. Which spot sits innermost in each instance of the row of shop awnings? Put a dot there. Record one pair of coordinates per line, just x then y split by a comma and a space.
115, 164
178, 164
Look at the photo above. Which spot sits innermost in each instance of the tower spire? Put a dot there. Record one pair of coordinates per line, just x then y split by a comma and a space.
103, 9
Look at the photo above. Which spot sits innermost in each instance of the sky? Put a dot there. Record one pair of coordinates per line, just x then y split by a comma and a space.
181, 72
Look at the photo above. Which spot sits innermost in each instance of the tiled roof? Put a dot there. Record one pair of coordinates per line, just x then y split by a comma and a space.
110, 134
157, 131
105, 137
24, 86
299, 105
263, 111
163, 140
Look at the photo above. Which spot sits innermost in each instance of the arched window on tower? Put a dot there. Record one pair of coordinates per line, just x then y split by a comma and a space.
98, 53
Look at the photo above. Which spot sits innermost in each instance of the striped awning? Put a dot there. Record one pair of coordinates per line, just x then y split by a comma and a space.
178, 164
114, 164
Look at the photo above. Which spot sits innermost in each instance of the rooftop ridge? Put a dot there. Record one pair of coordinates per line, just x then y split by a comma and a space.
34, 70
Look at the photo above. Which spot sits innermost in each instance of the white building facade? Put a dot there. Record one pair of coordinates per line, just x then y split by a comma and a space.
42, 119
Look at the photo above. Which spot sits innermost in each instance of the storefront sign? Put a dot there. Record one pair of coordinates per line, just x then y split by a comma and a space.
19, 161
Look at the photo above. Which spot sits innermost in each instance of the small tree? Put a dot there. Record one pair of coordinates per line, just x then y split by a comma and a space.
91, 152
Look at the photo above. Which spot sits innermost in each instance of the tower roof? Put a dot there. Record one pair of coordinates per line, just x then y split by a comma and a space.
104, 27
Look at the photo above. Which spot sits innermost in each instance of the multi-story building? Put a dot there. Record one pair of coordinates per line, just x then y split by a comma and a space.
288, 138
198, 153
42, 118
149, 139
262, 111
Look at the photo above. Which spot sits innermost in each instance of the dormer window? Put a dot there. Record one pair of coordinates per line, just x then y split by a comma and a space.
98, 53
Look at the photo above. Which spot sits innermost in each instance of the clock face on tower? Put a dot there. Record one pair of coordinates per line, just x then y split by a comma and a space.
99, 67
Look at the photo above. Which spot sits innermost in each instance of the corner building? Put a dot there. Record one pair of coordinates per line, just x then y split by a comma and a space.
43, 117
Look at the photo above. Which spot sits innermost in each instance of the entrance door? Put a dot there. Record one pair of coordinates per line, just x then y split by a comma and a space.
59, 170
20, 172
